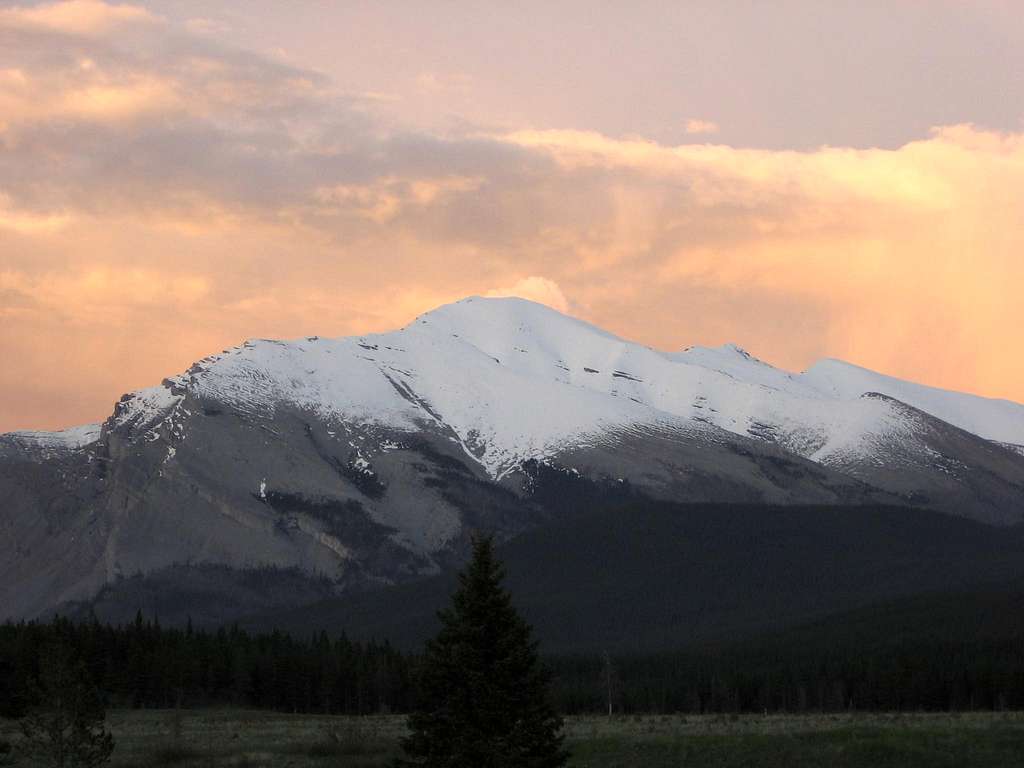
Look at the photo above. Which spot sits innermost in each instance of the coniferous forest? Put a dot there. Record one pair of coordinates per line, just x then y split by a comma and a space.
144, 665
148, 666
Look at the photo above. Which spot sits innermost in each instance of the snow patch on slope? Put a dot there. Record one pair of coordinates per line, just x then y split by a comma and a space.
143, 407
736, 362
998, 420
69, 439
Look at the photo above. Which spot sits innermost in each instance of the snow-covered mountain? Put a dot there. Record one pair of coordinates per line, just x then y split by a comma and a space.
369, 458
511, 380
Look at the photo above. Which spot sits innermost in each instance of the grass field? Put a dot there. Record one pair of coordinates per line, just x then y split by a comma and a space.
239, 738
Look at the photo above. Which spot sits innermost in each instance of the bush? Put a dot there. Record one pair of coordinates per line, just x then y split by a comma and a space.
66, 726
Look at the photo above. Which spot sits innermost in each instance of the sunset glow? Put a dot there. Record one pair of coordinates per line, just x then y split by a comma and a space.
169, 187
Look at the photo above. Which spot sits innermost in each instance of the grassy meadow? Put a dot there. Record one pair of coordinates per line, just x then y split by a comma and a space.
221, 738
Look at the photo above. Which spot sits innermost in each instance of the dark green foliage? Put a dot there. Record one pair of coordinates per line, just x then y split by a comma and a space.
950, 652
145, 665
12, 691
954, 651
484, 700
65, 727
209, 594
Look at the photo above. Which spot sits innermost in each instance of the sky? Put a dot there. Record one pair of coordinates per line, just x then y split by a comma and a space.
804, 179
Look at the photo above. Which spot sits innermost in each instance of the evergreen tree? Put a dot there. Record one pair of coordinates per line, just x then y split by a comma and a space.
66, 727
483, 698
12, 703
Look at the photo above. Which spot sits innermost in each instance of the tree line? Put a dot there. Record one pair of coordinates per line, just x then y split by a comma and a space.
913, 675
143, 664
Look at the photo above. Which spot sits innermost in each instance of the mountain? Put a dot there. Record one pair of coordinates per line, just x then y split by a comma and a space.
370, 460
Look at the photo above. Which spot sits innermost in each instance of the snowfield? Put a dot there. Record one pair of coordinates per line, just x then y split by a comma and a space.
511, 380
69, 439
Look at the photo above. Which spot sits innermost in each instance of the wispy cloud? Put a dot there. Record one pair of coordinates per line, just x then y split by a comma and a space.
696, 126
75, 17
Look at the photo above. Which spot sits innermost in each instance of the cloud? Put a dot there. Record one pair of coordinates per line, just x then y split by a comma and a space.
164, 195
85, 60
432, 82
535, 288
694, 126
79, 17
24, 222
94, 96
388, 197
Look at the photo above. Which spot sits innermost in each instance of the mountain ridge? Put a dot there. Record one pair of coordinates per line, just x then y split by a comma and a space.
373, 458
1001, 420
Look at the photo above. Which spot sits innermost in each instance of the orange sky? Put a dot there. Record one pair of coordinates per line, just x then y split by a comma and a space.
165, 193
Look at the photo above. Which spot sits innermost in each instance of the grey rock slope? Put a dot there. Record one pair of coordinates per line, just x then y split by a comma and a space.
371, 460
286, 491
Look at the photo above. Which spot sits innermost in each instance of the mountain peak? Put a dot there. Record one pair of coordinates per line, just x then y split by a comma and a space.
509, 313
509, 326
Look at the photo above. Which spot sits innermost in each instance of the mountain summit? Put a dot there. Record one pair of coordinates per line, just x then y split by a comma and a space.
370, 459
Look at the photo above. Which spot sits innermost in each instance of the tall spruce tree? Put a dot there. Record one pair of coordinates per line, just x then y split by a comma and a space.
483, 692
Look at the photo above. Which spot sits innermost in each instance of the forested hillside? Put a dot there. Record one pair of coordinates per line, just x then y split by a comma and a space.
643, 577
